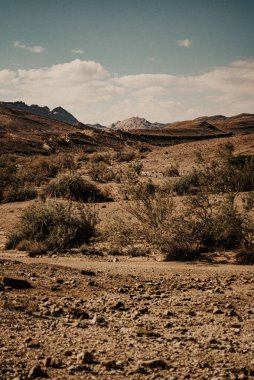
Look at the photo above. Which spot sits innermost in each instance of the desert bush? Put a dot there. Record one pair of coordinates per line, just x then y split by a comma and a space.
101, 172
12, 187
55, 224
125, 155
245, 256
41, 169
188, 184
34, 248
16, 192
138, 190
171, 171
101, 157
228, 173
203, 223
72, 186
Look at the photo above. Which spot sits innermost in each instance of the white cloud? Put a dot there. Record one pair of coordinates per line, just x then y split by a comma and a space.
77, 51
93, 94
151, 59
184, 43
33, 48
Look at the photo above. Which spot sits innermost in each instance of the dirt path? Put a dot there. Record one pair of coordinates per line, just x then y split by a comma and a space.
126, 265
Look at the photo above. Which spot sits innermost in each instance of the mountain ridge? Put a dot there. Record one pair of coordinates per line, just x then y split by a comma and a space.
57, 113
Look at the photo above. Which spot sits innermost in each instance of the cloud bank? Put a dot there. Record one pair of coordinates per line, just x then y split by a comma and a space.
93, 94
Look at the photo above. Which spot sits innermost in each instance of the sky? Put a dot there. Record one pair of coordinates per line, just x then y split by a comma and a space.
107, 60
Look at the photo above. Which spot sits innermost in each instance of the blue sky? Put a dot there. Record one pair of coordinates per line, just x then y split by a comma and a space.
105, 60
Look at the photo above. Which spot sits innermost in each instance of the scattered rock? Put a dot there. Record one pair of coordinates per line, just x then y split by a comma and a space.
87, 272
36, 371
16, 283
85, 357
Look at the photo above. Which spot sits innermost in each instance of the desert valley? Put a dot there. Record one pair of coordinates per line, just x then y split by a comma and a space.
126, 251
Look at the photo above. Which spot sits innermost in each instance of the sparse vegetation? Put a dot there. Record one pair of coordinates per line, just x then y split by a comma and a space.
41, 169
125, 155
101, 172
171, 171
12, 187
56, 225
213, 217
228, 173
72, 186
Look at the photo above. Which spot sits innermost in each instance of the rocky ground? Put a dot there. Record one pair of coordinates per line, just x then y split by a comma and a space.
127, 319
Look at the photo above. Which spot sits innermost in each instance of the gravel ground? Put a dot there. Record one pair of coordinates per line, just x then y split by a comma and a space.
127, 319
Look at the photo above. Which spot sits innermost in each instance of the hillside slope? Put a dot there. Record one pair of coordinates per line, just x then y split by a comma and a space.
26, 133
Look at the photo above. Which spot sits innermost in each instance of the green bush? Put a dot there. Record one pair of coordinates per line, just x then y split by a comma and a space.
55, 224
72, 186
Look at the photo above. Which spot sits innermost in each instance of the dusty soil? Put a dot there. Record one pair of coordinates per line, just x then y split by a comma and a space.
97, 318
135, 319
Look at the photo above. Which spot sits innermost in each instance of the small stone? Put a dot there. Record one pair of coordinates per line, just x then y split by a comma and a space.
36, 371
99, 320
155, 363
68, 353
216, 310
47, 362
87, 272
85, 357
118, 306
33, 344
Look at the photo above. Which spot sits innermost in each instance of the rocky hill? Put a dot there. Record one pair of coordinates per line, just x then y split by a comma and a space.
27, 133
57, 113
239, 124
135, 123
24, 132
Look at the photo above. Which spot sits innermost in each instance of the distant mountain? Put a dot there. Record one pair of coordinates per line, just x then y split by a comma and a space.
57, 113
134, 123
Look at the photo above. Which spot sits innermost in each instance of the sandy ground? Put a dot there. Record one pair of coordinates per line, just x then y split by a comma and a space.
135, 318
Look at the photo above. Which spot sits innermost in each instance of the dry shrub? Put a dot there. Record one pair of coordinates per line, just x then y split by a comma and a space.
203, 223
12, 187
228, 173
125, 155
101, 172
171, 171
101, 157
245, 256
34, 248
72, 186
17, 193
42, 169
55, 224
